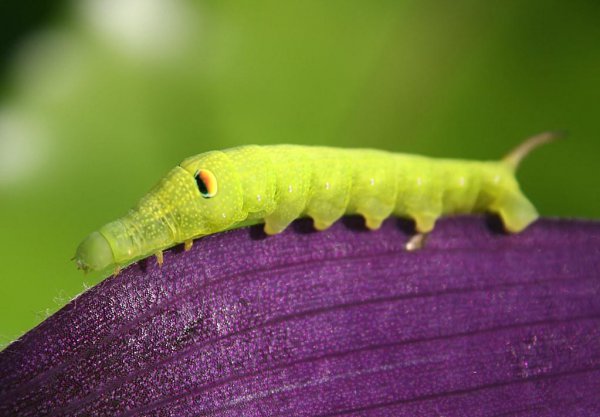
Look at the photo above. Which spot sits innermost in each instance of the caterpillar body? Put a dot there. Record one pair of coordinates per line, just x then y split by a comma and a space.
220, 190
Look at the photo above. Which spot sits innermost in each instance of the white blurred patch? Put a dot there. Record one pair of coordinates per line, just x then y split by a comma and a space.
22, 149
146, 28
50, 66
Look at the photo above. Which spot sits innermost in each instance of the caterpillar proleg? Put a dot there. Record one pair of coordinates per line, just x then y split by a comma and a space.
220, 190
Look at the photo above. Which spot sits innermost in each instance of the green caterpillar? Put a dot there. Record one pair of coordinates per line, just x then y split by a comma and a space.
220, 190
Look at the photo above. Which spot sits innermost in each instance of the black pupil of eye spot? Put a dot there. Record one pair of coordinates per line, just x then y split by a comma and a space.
201, 185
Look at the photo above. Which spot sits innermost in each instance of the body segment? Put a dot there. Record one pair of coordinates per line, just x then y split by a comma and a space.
277, 184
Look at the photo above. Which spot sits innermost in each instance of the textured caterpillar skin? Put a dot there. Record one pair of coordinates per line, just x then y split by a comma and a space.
277, 184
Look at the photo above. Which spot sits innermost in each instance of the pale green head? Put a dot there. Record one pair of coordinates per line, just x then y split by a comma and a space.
94, 253
201, 196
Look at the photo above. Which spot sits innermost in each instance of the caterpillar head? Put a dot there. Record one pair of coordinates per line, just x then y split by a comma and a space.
216, 193
94, 253
201, 196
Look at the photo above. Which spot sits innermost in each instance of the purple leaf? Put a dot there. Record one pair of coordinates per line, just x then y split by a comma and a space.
336, 323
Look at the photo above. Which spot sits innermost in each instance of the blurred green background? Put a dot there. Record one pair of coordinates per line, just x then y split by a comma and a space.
100, 98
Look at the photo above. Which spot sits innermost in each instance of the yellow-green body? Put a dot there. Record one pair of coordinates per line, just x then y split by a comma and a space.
277, 184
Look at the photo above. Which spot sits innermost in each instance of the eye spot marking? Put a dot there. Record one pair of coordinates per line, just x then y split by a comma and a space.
206, 183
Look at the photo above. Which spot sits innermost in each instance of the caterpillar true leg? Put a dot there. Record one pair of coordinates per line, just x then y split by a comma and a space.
187, 245
159, 257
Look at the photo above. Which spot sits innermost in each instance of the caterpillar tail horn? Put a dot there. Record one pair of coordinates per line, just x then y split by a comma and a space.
514, 158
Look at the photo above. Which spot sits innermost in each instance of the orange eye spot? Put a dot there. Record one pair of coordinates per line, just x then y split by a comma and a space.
206, 182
